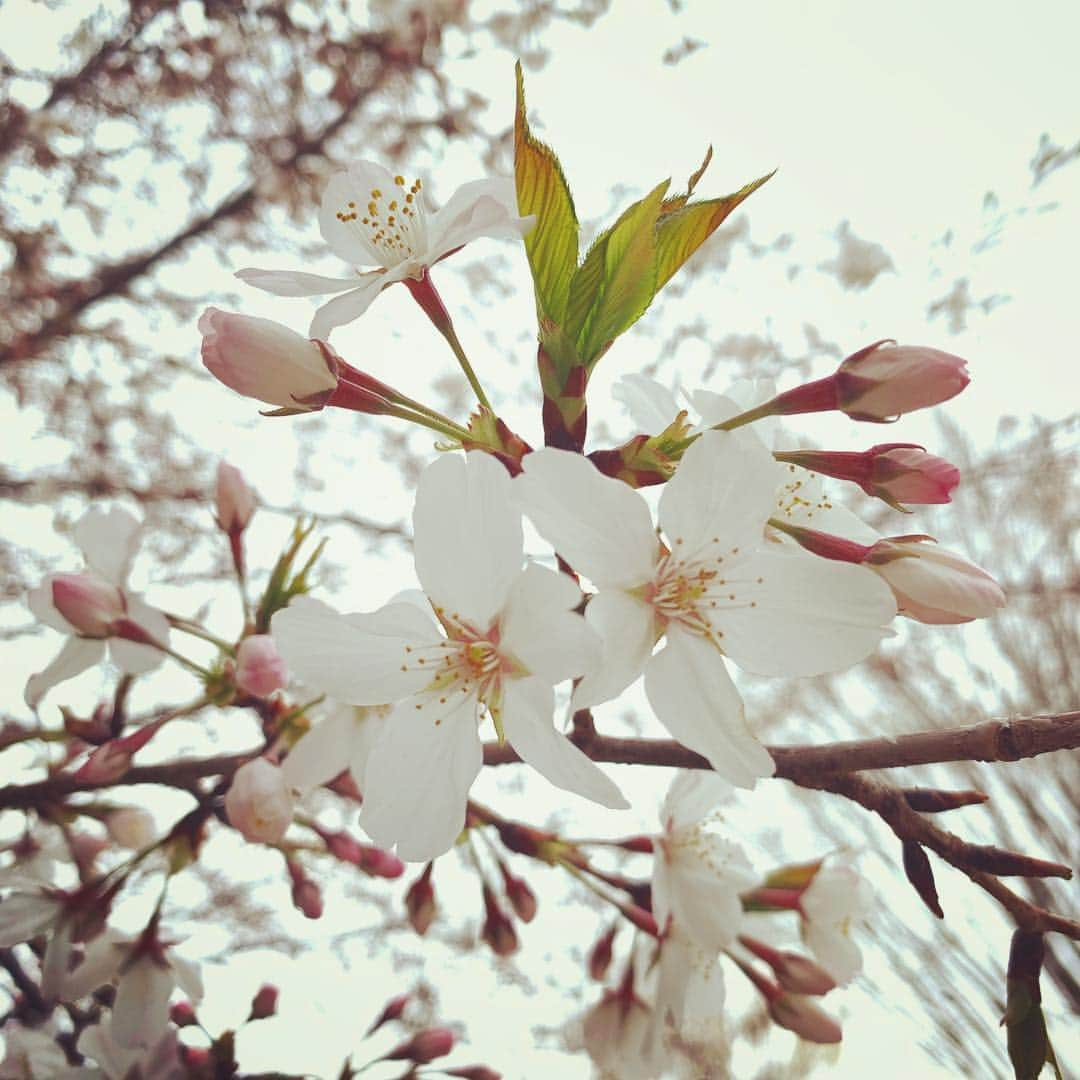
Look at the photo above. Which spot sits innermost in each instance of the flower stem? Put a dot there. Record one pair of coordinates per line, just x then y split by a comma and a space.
186, 626
424, 293
443, 427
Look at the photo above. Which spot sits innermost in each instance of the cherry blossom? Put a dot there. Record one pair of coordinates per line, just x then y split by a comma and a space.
342, 740
835, 897
370, 217
258, 803
618, 1031
259, 669
95, 606
714, 589
502, 638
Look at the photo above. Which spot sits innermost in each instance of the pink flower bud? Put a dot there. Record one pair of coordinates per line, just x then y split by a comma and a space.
90, 605
798, 974
600, 954
264, 360
182, 1014
132, 827
474, 1072
895, 472
498, 931
306, 895
259, 667
259, 803
392, 1010
112, 759
376, 862
885, 380
264, 1003
235, 500
420, 901
521, 897
807, 1020
424, 1046
933, 585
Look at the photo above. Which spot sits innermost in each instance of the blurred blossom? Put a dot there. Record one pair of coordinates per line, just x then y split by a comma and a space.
259, 803
235, 500
131, 827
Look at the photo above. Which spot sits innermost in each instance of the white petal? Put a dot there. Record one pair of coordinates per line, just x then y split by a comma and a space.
467, 537
478, 208
132, 658
356, 658
351, 305
107, 539
693, 696
101, 963
719, 498
541, 629
294, 282
651, 405
418, 779
141, 1009
706, 879
693, 796
810, 615
835, 950
74, 658
349, 239
601, 527
527, 721
187, 975
322, 753
23, 916
40, 603
627, 635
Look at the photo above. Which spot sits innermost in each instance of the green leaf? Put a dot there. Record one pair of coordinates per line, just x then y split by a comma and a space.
617, 281
683, 230
552, 245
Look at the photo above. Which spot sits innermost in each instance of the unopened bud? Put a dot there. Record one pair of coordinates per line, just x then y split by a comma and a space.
235, 500
260, 669
259, 803
182, 1014
921, 875
306, 895
600, 954
131, 827
795, 973
498, 931
112, 759
392, 1010
885, 380
264, 1003
91, 606
936, 801
808, 1021
521, 897
420, 901
424, 1046
474, 1072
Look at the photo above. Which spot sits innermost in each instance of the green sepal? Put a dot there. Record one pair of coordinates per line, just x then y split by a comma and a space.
542, 190
685, 227
617, 281
1029, 1044
284, 584
795, 876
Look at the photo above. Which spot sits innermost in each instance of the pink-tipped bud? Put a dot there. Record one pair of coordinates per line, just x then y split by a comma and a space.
420, 901
392, 1010
182, 1014
91, 606
521, 897
259, 667
795, 973
934, 585
600, 954
264, 360
498, 931
264, 1003
259, 803
376, 862
642, 919
306, 895
112, 759
897, 473
235, 500
808, 1021
886, 380
642, 844
424, 1046
474, 1072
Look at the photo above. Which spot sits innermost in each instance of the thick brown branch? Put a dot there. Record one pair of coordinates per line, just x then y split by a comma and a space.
993, 740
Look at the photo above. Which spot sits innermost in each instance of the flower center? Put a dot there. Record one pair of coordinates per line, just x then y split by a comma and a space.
801, 497
392, 224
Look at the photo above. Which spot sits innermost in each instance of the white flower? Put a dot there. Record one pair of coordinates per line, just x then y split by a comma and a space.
343, 740
689, 992
86, 605
371, 218
713, 589
698, 876
617, 1032
33, 1053
159, 1060
258, 803
505, 636
832, 901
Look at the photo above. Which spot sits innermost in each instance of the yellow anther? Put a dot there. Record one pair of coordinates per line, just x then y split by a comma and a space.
399, 180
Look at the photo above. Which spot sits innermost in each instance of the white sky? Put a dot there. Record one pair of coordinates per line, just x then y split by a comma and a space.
898, 118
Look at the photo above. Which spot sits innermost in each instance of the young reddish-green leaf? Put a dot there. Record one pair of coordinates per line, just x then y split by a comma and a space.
552, 245
682, 231
677, 202
617, 281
